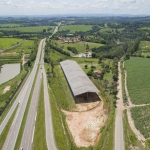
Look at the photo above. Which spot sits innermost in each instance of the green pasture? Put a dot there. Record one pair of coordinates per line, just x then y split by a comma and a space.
29, 29
8, 42
141, 117
80, 46
26, 47
138, 79
74, 28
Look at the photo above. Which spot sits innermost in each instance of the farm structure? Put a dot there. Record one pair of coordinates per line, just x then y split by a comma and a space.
82, 88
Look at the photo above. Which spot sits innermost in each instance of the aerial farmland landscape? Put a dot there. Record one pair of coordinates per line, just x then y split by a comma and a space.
75, 75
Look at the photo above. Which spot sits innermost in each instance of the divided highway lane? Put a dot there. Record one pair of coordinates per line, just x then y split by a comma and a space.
22, 100
50, 140
28, 133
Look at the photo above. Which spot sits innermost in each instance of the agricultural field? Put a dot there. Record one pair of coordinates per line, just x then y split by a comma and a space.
80, 46
138, 79
30, 29
74, 28
8, 42
144, 48
141, 117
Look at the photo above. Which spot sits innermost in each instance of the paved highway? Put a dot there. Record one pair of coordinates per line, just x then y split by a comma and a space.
22, 100
119, 136
28, 133
48, 118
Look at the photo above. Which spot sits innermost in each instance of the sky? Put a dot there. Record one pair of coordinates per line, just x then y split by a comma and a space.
53, 7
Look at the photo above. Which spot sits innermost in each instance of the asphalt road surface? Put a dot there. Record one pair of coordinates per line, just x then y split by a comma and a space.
28, 133
48, 118
119, 137
22, 100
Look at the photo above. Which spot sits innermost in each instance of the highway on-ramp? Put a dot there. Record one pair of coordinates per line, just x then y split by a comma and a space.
22, 100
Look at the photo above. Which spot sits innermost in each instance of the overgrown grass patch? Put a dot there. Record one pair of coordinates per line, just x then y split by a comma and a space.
39, 141
3, 136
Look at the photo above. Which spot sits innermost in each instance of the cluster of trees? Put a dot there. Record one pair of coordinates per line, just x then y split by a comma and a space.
72, 49
33, 53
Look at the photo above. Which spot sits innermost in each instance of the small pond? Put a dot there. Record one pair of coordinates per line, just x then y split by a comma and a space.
9, 71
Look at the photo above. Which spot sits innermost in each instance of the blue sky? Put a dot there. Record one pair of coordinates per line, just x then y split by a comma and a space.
49, 7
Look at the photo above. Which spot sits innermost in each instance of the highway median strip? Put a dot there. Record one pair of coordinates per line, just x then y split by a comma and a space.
39, 139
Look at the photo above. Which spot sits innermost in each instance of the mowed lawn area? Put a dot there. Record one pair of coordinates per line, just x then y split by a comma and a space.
144, 48
138, 79
8, 42
141, 117
80, 46
74, 28
30, 29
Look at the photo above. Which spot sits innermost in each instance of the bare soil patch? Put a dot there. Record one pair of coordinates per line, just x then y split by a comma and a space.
7, 88
85, 126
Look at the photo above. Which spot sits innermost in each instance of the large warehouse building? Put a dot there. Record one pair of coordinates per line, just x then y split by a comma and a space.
81, 86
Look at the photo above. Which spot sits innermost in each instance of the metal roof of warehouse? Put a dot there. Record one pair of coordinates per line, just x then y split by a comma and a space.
77, 79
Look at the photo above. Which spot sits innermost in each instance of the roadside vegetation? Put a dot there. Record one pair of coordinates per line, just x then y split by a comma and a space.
3, 135
39, 141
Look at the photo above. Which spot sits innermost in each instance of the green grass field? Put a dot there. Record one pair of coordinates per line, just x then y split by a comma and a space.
26, 47
29, 29
39, 141
144, 48
8, 42
138, 77
145, 28
141, 117
56, 56
80, 46
74, 28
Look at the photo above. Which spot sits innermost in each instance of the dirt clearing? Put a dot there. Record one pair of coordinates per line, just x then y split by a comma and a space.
7, 88
85, 126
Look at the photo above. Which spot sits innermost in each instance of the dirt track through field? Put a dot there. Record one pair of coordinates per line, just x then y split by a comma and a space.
131, 105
